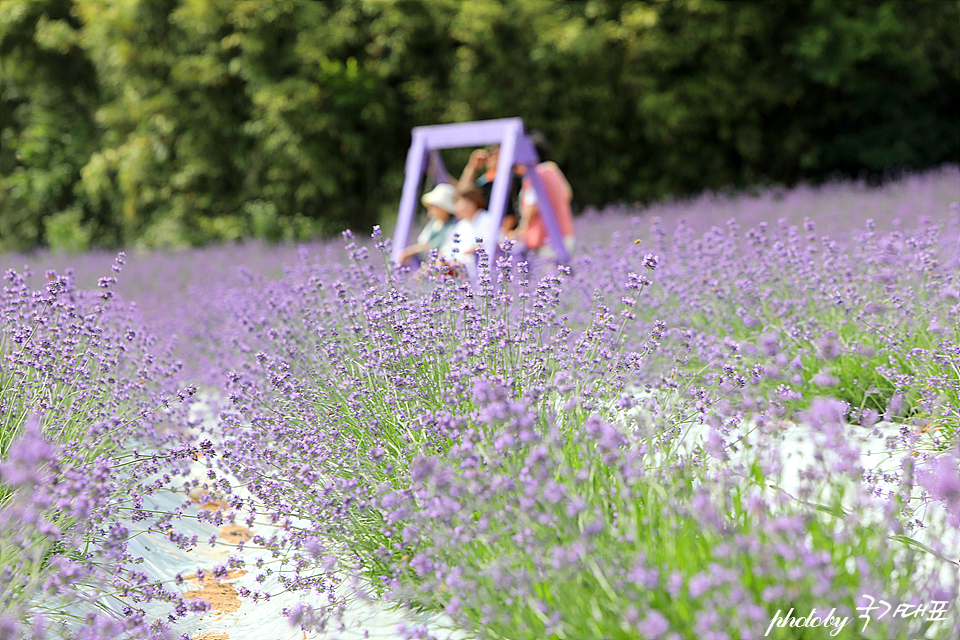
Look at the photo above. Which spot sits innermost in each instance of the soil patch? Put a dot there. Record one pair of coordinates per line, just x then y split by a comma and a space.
233, 574
235, 533
215, 505
221, 596
208, 499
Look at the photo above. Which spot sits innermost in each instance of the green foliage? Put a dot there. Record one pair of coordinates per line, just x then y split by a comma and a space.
66, 232
171, 122
47, 131
240, 117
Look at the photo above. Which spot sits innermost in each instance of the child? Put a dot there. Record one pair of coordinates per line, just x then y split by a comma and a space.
472, 222
440, 204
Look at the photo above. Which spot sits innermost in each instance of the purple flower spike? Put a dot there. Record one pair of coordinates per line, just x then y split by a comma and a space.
942, 479
27, 457
826, 411
824, 379
653, 626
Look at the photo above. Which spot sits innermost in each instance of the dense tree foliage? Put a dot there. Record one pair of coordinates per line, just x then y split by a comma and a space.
168, 122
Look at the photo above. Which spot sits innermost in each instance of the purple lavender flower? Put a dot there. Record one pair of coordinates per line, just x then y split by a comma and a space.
826, 411
942, 479
27, 457
653, 626
824, 379
829, 346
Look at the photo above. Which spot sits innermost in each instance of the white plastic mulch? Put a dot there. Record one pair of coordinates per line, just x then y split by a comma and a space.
235, 618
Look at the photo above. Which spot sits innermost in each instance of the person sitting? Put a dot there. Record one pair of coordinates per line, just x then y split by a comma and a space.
440, 204
472, 222
485, 160
532, 230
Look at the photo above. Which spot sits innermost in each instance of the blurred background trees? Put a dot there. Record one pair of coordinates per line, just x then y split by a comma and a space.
176, 122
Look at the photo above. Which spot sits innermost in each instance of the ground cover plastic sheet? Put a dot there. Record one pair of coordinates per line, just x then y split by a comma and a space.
799, 445
232, 617
237, 618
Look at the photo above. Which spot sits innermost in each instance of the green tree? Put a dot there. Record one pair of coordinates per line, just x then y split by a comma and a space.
169, 122
48, 96
231, 117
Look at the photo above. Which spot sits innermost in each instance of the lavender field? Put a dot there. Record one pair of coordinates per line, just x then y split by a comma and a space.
733, 417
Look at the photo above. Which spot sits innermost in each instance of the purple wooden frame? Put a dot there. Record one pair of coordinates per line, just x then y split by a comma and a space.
515, 148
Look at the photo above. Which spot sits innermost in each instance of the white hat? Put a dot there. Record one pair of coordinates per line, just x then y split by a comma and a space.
443, 195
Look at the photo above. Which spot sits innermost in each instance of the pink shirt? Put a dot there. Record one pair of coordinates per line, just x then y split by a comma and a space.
556, 187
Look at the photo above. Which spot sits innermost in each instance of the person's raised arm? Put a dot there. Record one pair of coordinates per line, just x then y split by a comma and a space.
478, 158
